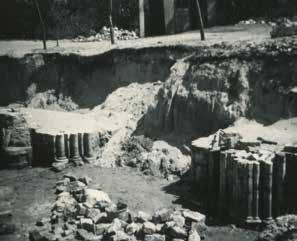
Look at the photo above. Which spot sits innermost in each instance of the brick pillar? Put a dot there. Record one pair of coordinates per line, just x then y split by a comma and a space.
267, 169
233, 203
213, 180
60, 148
89, 154
74, 149
222, 200
279, 174
256, 181
229, 182
249, 169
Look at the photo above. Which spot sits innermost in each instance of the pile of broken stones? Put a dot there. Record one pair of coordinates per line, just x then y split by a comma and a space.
284, 29
104, 35
82, 213
283, 228
7, 225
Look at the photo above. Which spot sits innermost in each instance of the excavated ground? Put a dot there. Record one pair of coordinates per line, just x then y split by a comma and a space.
167, 88
35, 195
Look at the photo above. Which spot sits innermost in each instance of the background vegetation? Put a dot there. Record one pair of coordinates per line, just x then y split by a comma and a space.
70, 18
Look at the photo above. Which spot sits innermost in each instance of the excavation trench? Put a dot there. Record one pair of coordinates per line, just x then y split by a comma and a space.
172, 94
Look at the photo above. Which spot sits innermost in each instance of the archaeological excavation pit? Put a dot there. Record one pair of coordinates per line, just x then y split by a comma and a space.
220, 119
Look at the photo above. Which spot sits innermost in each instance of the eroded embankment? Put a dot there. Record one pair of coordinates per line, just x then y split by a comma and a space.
200, 90
212, 89
87, 80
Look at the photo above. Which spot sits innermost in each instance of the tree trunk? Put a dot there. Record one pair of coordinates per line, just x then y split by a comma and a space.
42, 23
110, 23
57, 38
200, 21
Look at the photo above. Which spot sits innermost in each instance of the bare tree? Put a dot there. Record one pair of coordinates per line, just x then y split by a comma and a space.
41, 23
110, 23
57, 14
200, 21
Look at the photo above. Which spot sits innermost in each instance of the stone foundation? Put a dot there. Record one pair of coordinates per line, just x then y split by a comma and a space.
15, 140
23, 144
245, 184
60, 149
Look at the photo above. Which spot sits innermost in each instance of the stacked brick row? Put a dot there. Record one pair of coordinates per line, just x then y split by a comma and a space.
61, 149
289, 158
15, 140
244, 186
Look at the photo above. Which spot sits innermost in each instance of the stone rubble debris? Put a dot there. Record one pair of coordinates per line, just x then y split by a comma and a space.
251, 21
82, 213
104, 35
283, 228
7, 225
154, 157
284, 28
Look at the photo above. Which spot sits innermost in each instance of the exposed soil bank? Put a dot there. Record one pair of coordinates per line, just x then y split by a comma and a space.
34, 196
212, 89
201, 89
88, 80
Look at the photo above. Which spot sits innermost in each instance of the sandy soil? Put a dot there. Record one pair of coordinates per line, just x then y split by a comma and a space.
55, 122
282, 132
230, 34
34, 190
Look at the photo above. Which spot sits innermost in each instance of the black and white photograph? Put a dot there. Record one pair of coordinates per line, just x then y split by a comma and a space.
148, 120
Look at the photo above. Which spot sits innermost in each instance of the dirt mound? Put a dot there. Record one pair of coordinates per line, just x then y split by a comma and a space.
284, 29
120, 114
154, 158
48, 100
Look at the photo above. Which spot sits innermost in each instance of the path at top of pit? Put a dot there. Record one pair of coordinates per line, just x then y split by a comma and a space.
215, 35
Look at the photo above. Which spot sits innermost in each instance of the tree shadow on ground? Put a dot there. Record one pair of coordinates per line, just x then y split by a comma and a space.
189, 197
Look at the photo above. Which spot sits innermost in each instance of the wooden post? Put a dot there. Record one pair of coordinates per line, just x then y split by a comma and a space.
57, 37
169, 16
141, 19
200, 21
110, 23
42, 23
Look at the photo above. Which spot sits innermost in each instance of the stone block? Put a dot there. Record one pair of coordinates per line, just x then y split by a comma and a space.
154, 237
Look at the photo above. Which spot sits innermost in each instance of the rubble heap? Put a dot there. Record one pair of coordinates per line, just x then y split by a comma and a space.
284, 228
82, 213
251, 21
7, 225
104, 35
156, 158
283, 29
243, 181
